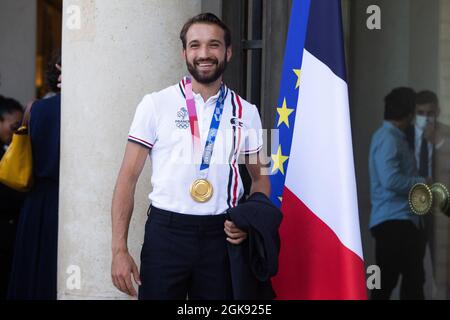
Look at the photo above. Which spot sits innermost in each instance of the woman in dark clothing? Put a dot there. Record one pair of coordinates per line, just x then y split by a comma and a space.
10, 200
35, 258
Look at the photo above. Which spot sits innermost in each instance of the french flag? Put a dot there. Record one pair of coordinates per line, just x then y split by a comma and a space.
313, 176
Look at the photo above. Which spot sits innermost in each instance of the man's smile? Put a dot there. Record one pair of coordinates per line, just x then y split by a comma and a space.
206, 65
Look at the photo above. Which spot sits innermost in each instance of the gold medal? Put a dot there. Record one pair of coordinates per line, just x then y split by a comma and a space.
201, 190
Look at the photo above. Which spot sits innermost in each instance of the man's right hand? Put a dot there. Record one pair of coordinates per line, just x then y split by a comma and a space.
122, 267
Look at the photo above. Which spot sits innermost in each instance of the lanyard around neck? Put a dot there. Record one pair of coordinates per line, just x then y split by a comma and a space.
214, 126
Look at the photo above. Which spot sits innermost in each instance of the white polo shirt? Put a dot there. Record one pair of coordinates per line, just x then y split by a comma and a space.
161, 124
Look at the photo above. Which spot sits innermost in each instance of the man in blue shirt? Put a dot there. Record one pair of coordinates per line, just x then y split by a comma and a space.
392, 174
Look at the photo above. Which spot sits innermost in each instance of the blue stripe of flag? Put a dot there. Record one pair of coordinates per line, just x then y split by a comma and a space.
325, 38
292, 60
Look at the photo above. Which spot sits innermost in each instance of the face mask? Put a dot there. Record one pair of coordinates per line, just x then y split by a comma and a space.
421, 122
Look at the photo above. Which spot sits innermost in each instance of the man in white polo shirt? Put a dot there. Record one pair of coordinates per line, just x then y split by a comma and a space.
195, 132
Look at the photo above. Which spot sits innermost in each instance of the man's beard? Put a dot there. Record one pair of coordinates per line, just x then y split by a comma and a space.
207, 79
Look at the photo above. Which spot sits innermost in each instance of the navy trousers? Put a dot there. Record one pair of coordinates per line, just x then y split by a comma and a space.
399, 250
184, 257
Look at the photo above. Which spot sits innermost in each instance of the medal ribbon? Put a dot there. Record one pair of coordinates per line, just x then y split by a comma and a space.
193, 119
213, 128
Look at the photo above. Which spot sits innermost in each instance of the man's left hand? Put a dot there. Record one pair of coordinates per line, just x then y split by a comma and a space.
235, 235
430, 133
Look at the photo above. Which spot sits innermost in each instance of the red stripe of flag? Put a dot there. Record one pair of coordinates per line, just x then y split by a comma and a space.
313, 261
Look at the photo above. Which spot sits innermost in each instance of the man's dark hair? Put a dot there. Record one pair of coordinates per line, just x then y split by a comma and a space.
426, 96
8, 105
207, 18
399, 104
52, 73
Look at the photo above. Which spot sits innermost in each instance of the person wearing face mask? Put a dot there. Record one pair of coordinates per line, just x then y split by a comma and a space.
10, 201
427, 138
432, 160
422, 136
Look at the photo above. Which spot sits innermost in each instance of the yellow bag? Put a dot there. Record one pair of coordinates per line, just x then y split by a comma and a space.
16, 166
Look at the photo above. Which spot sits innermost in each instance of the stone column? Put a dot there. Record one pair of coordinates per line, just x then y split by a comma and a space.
114, 52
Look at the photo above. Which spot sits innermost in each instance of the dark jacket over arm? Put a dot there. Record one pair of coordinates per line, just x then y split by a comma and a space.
255, 261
